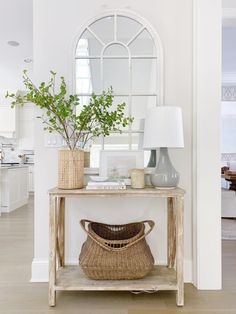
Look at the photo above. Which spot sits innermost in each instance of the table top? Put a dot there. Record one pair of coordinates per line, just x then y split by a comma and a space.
147, 191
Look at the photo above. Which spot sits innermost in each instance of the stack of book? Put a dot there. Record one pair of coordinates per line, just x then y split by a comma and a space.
108, 185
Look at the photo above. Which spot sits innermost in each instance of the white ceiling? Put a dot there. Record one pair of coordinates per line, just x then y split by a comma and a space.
16, 23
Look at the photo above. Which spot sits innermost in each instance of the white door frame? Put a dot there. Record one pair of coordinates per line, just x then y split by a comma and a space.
207, 23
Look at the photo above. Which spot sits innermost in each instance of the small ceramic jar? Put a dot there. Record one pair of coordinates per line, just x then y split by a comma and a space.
137, 178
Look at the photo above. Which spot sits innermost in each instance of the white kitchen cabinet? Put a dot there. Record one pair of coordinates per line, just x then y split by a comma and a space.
8, 124
14, 187
17, 123
25, 127
31, 178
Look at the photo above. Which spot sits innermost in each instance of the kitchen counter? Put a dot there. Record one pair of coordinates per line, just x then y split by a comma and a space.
13, 167
14, 187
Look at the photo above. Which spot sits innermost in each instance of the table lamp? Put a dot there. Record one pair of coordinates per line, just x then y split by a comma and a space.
163, 129
152, 158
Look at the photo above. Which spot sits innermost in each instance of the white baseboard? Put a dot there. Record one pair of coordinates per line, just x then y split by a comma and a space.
13, 206
39, 270
188, 271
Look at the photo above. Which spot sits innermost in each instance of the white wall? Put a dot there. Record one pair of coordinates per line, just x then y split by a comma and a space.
228, 127
56, 24
229, 49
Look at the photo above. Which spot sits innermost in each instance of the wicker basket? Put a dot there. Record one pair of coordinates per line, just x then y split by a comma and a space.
116, 251
86, 159
70, 169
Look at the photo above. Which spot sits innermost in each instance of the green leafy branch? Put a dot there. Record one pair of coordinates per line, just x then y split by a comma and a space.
63, 113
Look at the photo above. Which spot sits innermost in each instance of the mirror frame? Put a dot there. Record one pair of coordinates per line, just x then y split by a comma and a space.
146, 25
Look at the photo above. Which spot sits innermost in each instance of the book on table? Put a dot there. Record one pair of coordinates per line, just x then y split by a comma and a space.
107, 185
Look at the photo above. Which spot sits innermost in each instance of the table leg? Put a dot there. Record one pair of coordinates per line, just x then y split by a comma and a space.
52, 251
179, 250
61, 231
171, 232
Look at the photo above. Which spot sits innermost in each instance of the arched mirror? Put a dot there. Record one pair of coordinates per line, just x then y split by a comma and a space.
119, 51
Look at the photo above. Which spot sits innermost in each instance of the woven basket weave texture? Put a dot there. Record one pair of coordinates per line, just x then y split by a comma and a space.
115, 252
86, 159
70, 169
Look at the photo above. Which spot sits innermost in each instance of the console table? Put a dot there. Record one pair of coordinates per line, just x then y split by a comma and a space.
170, 277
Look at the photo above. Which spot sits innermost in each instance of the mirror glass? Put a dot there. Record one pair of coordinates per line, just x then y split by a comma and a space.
118, 51
103, 28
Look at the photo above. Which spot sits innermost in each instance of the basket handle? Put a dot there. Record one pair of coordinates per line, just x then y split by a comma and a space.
151, 224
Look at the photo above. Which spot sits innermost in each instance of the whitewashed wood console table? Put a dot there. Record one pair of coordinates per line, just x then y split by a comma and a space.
170, 277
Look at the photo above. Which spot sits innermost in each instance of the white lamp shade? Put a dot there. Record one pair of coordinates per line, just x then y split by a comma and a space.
163, 127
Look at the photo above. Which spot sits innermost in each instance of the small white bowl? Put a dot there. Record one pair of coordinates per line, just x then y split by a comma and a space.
98, 178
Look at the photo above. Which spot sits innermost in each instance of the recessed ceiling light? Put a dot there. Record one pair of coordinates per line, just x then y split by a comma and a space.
13, 43
28, 60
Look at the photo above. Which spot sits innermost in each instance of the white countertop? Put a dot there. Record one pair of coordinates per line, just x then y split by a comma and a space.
13, 167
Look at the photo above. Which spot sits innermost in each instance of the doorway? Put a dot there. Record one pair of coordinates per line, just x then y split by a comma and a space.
228, 146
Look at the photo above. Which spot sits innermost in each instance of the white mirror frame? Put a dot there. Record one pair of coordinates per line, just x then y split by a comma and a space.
145, 26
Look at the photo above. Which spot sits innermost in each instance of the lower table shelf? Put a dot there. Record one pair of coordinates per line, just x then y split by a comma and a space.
72, 278
161, 278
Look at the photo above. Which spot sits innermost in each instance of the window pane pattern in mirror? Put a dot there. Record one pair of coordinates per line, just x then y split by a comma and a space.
119, 51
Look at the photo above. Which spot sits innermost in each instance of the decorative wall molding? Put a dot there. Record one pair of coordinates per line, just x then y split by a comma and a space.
228, 90
228, 157
228, 93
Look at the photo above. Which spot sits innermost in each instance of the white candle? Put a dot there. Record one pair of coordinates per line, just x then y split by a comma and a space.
137, 178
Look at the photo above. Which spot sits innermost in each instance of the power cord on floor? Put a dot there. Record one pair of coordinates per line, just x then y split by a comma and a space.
144, 291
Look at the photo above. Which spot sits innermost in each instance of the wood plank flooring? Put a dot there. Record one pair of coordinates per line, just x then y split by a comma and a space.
19, 296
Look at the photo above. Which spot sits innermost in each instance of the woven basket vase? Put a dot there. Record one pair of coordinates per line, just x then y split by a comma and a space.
115, 252
70, 169
86, 159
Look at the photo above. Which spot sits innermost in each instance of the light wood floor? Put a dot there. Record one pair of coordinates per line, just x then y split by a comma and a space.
19, 296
